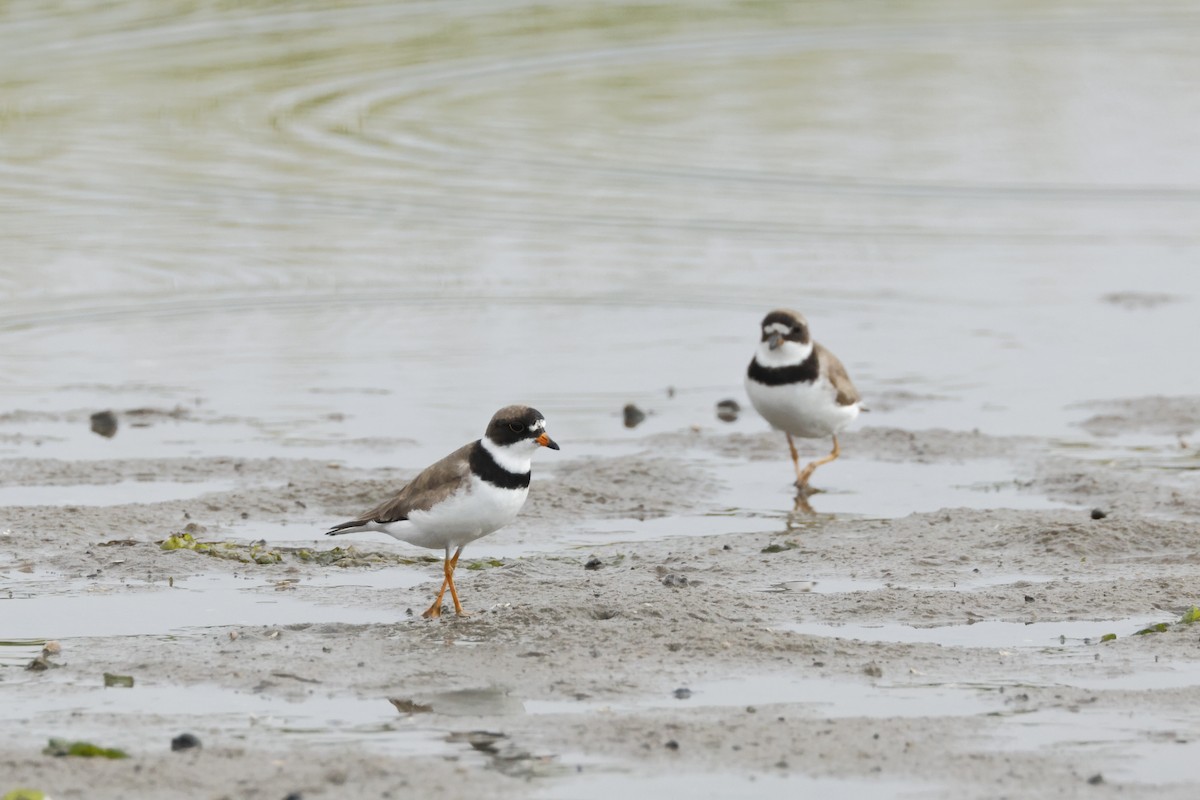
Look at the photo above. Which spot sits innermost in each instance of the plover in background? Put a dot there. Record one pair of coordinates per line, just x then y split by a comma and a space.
475, 490
800, 387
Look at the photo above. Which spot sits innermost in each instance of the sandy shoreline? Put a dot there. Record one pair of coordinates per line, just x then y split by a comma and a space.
949, 653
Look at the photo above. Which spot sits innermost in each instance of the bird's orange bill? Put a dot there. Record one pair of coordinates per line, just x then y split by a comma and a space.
546, 441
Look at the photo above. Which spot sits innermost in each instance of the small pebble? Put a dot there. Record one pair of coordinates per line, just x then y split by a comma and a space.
672, 745
1099, 513
104, 423
634, 416
184, 741
683, 693
39, 664
1096, 779
728, 410
593, 563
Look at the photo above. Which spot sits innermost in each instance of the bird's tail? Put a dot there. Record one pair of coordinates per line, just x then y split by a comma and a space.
345, 527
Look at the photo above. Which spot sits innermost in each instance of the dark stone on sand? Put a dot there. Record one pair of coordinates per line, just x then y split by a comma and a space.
683, 693
728, 410
485, 741
294, 796
1096, 779
634, 416
1099, 513
185, 741
671, 744
593, 564
105, 424
40, 664
1028, 598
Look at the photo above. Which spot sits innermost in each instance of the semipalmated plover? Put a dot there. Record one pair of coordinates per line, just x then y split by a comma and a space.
800, 387
475, 490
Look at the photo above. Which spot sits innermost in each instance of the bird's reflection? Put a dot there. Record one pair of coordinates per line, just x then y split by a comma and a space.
801, 507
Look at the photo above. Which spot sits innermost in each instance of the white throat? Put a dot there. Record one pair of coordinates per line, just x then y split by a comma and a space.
516, 458
788, 354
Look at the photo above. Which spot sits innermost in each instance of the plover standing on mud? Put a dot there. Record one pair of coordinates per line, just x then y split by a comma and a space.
800, 387
475, 490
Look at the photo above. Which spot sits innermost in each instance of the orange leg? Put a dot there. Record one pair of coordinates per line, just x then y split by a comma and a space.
448, 566
795, 457
458, 609
806, 473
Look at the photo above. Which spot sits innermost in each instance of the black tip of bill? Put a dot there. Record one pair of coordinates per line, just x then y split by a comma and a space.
546, 441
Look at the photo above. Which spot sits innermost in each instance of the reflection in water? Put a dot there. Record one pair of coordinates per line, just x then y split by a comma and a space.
801, 507
578, 205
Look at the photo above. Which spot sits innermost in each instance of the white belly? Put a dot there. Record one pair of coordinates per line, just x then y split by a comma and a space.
808, 410
461, 518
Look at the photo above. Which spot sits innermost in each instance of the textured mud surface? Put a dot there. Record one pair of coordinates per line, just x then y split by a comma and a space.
962, 652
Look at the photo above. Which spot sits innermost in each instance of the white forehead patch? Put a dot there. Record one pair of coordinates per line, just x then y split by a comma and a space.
777, 327
538, 426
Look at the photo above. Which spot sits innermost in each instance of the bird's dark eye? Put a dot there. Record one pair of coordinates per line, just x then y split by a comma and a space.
516, 427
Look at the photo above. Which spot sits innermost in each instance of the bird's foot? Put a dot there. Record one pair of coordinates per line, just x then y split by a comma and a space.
805, 490
433, 612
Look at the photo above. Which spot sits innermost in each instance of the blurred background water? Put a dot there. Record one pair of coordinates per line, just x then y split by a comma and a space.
328, 222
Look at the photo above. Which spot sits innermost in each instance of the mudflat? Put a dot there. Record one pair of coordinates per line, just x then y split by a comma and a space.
629, 634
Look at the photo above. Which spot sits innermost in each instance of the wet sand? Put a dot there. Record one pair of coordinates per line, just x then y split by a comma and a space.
302, 250
954, 652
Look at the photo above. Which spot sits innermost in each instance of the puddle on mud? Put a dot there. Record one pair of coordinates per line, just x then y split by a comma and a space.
1139, 745
971, 581
113, 609
980, 634
109, 494
836, 584
316, 715
489, 702
1147, 677
596, 784
833, 585
876, 489
819, 697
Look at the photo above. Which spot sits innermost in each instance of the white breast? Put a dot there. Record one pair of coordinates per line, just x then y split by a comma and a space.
808, 410
470, 513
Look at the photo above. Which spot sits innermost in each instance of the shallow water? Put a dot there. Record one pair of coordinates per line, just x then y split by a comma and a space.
109, 494
601, 784
987, 633
264, 716
95, 608
1143, 747
409, 214
818, 697
351, 233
